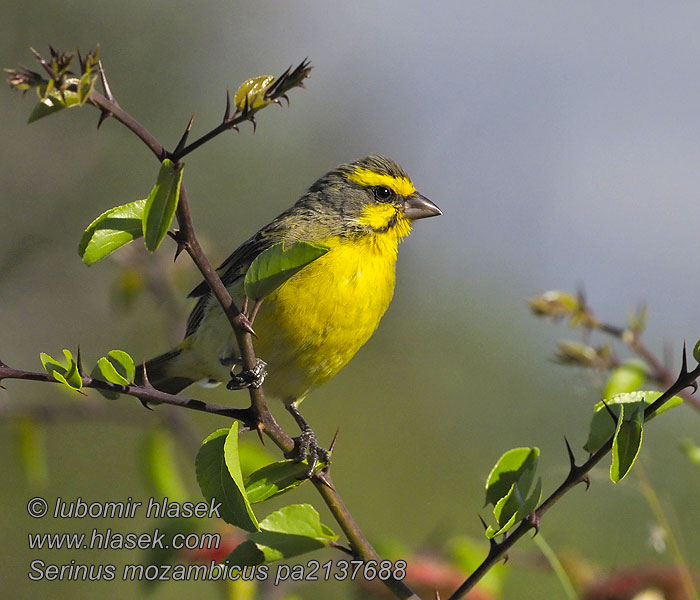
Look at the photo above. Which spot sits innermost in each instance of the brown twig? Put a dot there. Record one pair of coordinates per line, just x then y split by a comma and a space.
576, 475
558, 305
147, 394
258, 413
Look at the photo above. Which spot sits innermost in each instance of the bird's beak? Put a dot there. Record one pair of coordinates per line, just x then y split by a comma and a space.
419, 207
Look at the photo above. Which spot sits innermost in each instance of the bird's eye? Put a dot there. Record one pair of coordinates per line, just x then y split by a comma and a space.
382, 193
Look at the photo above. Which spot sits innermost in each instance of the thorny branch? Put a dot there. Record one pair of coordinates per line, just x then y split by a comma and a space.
576, 475
257, 415
561, 305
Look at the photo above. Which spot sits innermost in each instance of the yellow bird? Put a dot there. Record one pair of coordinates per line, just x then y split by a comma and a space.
313, 324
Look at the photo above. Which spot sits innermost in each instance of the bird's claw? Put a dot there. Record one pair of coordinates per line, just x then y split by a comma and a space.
245, 378
306, 447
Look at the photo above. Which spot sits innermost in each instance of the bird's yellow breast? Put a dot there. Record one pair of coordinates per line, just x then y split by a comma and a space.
316, 321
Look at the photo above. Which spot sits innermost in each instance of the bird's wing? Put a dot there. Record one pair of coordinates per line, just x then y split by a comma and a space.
232, 269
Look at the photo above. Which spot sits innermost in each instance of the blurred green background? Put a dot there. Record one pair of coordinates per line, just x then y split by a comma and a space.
561, 142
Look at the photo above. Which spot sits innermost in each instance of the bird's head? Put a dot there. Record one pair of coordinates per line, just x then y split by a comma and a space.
374, 195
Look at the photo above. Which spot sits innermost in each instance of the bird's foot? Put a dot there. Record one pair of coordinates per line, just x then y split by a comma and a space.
244, 378
307, 448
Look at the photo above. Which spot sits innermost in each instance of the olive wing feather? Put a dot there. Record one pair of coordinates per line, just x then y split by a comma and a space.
232, 269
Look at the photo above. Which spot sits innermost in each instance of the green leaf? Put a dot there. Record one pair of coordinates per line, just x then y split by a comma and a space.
274, 266
110, 373
53, 103
219, 477
533, 500
111, 230
298, 519
508, 506
65, 374
275, 479
603, 427
161, 204
117, 367
254, 90
96, 373
696, 351
513, 508
245, 554
626, 378
123, 364
160, 466
516, 465
506, 512
627, 442
288, 532
233, 464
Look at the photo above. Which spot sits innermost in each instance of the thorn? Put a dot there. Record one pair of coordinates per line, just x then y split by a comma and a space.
227, 112
492, 542
178, 251
277, 83
103, 117
505, 558
79, 363
613, 416
684, 362
534, 519
144, 403
254, 122
684, 371
44, 64
570, 452
80, 60
322, 476
285, 97
181, 244
587, 480
437, 594
259, 427
246, 107
185, 134
335, 439
146, 382
2, 364
286, 73
105, 85
246, 326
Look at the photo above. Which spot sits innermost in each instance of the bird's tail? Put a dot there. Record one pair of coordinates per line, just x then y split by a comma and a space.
158, 377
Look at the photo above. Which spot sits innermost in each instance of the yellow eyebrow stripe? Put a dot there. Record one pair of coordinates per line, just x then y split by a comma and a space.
366, 177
